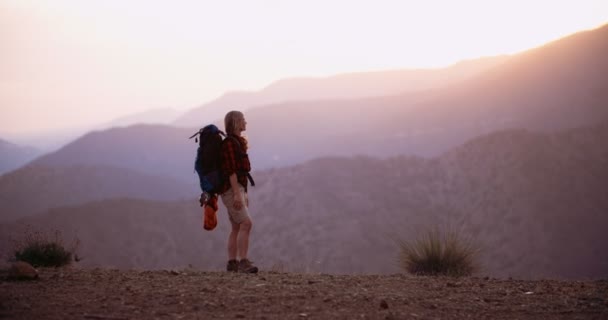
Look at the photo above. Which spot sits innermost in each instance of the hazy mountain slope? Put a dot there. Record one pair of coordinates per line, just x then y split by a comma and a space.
532, 90
524, 197
32, 189
557, 86
151, 149
342, 86
154, 116
535, 204
13, 156
547, 190
133, 233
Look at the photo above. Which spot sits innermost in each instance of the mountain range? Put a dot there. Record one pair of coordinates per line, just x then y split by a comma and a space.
13, 156
156, 150
34, 189
523, 198
342, 86
512, 156
558, 86
154, 116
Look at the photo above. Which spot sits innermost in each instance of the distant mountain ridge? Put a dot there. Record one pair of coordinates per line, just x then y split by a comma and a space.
149, 149
34, 189
341, 86
13, 156
523, 197
558, 86
154, 116
428, 123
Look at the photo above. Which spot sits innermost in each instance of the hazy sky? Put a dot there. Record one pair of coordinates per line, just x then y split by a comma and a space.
76, 63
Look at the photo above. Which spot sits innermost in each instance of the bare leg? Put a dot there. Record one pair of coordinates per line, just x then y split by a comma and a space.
232, 241
243, 240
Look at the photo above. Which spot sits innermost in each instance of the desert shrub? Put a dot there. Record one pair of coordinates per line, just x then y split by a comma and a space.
44, 250
438, 253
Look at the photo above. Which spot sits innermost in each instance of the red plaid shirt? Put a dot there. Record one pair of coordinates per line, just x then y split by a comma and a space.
234, 160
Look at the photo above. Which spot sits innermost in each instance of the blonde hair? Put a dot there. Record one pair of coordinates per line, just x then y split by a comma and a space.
230, 123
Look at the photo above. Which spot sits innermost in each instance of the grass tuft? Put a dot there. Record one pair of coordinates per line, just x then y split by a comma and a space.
44, 250
438, 253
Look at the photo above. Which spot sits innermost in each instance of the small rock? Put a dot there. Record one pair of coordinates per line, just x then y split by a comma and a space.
173, 272
303, 315
452, 284
22, 271
383, 304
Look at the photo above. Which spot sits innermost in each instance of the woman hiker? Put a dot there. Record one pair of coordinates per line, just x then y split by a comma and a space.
236, 167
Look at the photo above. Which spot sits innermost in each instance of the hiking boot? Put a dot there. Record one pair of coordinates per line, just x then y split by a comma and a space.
232, 266
246, 266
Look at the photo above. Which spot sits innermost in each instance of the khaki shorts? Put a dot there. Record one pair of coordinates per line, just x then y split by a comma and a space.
236, 216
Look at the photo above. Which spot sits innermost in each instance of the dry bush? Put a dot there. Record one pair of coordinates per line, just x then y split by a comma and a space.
439, 253
45, 249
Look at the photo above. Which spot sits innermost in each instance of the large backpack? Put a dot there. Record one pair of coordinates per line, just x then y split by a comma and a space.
208, 159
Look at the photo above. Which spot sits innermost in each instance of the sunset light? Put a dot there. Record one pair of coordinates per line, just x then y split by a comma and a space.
70, 63
303, 159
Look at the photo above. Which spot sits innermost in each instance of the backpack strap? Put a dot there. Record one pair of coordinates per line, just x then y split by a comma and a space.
197, 133
249, 177
210, 127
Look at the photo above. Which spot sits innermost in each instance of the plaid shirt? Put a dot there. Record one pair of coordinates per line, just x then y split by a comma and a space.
234, 160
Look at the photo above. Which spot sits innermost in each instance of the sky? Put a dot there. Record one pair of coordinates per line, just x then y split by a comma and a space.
74, 64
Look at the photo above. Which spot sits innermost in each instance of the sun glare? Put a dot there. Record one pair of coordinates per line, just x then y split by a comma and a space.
98, 59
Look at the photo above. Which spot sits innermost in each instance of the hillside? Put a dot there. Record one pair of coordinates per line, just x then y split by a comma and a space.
522, 197
557, 86
130, 233
34, 189
544, 189
341, 86
192, 294
149, 149
13, 156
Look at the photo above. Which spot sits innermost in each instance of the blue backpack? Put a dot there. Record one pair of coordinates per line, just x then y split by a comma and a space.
207, 163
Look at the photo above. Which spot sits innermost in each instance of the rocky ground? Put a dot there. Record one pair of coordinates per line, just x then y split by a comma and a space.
73, 293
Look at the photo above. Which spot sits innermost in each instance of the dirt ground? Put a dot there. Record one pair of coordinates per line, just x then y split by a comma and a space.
74, 293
